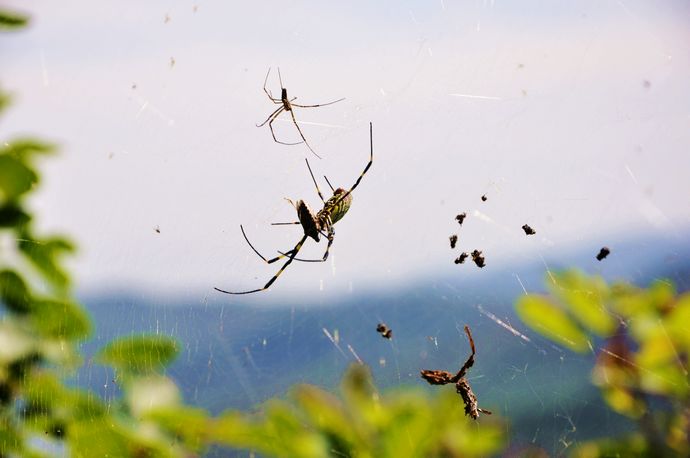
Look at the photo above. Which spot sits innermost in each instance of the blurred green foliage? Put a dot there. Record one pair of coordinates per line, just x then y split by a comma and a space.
642, 341
139, 355
363, 423
10, 20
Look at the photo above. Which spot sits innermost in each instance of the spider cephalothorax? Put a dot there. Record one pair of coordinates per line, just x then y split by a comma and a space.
314, 225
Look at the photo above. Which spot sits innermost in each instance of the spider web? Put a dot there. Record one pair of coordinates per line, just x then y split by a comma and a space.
569, 118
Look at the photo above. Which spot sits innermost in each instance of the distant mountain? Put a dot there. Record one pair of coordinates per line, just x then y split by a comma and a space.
236, 356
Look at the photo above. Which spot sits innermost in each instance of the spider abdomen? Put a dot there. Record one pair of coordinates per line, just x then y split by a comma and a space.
309, 222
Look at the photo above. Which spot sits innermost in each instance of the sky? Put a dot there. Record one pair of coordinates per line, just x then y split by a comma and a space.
572, 117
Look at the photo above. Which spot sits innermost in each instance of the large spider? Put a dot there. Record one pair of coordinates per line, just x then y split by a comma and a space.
462, 386
287, 105
314, 225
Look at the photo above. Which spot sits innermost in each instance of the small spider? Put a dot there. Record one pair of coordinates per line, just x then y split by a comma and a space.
313, 225
453, 240
287, 105
478, 258
603, 253
484, 198
384, 331
461, 259
461, 218
462, 386
528, 230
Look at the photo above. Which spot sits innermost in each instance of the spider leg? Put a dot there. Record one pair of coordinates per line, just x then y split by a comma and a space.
271, 116
267, 261
320, 104
366, 169
282, 254
314, 180
292, 113
302, 260
330, 236
329, 183
293, 252
268, 93
280, 78
270, 125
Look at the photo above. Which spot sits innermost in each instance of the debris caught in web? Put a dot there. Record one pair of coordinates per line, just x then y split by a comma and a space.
384, 331
478, 258
603, 253
462, 386
461, 259
528, 230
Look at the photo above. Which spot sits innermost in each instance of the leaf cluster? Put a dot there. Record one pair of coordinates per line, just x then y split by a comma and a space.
362, 422
641, 340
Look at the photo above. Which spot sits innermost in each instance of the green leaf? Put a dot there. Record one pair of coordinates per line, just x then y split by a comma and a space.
585, 297
622, 400
13, 292
24, 148
661, 295
552, 322
666, 379
190, 423
10, 20
235, 429
86, 406
630, 301
97, 438
11, 440
60, 319
45, 257
16, 178
360, 394
326, 413
46, 392
139, 354
679, 323
12, 215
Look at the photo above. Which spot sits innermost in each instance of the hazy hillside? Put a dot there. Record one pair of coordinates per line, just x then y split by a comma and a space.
237, 356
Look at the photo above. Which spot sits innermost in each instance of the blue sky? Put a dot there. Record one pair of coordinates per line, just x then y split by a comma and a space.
571, 116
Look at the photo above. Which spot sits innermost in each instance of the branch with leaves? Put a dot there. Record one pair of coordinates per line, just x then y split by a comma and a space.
641, 340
